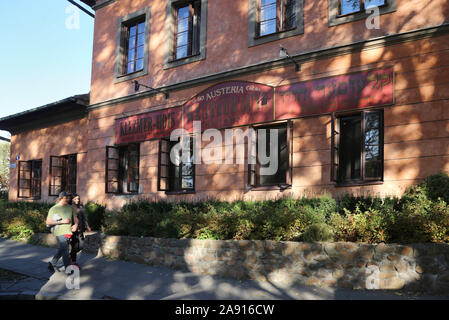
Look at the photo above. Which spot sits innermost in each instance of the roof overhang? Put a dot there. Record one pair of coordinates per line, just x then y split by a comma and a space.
65, 110
90, 3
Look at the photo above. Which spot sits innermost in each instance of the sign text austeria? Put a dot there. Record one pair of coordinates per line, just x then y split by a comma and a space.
230, 104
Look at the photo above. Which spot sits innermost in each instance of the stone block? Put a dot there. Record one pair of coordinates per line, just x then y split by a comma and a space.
383, 249
394, 257
388, 275
290, 248
405, 251
323, 273
329, 283
401, 266
337, 274
387, 266
395, 283
312, 281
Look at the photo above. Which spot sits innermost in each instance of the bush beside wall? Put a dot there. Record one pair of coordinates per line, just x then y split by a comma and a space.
421, 215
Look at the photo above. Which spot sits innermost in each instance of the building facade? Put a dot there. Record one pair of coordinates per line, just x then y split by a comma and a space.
357, 92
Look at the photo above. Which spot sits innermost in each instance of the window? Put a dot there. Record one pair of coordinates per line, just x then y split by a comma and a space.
178, 176
62, 174
283, 175
133, 35
29, 180
186, 32
357, 147
271, 20
276, 16
122, 169
343, 11
352, 6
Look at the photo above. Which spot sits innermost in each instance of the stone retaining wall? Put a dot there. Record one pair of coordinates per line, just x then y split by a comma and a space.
423, 267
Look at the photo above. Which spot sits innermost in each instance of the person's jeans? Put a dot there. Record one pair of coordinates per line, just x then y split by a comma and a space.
63, 251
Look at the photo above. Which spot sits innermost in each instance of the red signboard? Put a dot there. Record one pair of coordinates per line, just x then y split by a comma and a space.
238, 103
345, 92
151, 125
230, 104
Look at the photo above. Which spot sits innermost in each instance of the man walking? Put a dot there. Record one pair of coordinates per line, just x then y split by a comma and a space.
60, 216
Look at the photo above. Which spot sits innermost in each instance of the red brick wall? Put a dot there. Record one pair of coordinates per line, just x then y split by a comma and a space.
227, 41
416, 129
58, 140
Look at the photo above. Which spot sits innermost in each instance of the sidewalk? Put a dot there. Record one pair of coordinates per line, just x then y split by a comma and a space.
112, 279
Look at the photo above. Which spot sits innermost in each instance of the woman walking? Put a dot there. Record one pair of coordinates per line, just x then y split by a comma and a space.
77, 240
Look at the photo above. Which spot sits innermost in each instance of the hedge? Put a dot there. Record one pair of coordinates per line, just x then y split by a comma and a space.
420, 215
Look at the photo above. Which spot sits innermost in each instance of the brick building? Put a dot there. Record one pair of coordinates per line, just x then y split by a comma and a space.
359, 101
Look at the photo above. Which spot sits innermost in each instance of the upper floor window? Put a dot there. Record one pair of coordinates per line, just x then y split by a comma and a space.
352, 6
29, 180
270, 20
276, 16
135, 47
343, 11
185, 32
357, 147
132, 56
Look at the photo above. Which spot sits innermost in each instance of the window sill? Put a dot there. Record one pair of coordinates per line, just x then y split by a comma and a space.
271, 188
184, 58
357, 183
179, 192
130, 76
273, 34
173, 63
257, 40
123, 194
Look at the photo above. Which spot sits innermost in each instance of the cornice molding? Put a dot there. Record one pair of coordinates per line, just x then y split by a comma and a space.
102, 4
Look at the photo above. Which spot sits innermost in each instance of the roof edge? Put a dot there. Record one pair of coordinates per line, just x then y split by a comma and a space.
81, 99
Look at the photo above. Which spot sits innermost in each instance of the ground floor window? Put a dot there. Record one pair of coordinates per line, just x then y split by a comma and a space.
122, 169
29, 180
63, 171
176, 174
357, 147
283, 172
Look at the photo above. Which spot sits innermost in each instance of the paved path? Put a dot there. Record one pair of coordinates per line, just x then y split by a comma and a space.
112, 279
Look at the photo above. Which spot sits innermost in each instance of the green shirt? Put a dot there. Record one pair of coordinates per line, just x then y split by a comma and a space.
64, 212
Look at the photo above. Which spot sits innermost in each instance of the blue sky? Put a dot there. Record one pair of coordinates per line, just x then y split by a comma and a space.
46, 54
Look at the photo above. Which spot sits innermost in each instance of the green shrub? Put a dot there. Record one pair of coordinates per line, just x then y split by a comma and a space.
318, 232
438, 186
166, 229
18, 231
420, 215
94, 214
